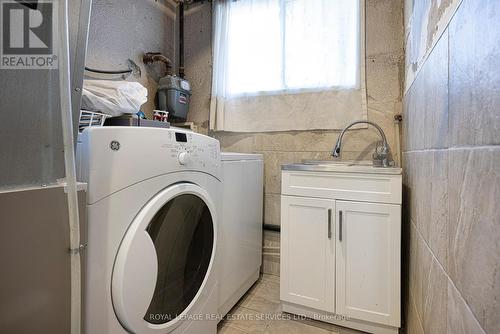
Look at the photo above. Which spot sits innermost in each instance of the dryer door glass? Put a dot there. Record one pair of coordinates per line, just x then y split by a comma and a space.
183, 235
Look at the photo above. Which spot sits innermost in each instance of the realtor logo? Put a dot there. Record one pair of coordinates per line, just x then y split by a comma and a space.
28, 34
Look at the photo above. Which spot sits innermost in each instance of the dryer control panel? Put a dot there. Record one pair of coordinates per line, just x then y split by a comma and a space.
112, 158
193, 150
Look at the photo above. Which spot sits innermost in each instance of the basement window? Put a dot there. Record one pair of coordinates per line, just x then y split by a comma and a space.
285, 47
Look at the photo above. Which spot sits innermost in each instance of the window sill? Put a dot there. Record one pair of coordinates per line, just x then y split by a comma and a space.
291, 91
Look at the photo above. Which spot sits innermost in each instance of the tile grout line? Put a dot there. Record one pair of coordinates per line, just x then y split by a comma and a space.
450, 280
420, 322
454, 148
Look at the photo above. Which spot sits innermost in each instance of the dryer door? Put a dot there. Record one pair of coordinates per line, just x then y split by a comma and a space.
164, 259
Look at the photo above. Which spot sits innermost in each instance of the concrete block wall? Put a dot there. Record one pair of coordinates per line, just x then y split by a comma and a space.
384, 71
125, 29
451, 159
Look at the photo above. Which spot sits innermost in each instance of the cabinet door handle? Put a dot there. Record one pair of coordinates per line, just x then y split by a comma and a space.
340, 225
329, 223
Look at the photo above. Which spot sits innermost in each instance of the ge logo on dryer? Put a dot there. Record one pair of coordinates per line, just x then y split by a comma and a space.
114, 145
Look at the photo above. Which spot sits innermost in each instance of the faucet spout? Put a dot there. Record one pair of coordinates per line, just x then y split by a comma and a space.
379, 158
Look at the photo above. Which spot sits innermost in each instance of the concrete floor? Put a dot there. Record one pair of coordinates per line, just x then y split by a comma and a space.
259, 311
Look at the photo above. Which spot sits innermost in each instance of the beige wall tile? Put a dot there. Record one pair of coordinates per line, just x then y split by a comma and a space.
435, 291
428, 286
407, 15
421, 191
415, 285
460, 319
413, 323
365, 155
296, 141
272, 169
435, 95
475, 74
235, 142
272, 208
463, 230
474, 231
415, 116
427, 102
302, 156
406, 125
438, 218
423, 268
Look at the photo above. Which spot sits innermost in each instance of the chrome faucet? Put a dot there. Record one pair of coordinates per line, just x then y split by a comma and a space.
381, 158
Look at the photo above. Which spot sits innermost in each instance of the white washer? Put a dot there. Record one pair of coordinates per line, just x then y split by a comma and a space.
152, 230
240, 229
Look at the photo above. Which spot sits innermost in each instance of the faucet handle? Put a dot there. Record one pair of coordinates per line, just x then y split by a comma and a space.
377, 159
382, 156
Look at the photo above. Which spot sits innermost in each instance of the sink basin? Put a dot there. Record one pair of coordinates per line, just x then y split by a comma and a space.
337, 162
345, 166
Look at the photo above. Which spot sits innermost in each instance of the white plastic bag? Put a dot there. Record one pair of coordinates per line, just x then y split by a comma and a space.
114, 98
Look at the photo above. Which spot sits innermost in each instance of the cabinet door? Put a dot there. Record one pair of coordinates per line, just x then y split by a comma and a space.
308, 252
368, 261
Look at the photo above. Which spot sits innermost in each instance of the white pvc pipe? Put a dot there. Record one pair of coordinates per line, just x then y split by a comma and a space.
69, 164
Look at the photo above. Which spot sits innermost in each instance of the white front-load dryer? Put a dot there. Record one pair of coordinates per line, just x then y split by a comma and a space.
152, 230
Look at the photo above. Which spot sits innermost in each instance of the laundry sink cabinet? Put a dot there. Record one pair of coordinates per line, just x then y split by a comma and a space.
341, 246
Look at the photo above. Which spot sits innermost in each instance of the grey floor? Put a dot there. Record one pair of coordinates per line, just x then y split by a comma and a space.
259, 311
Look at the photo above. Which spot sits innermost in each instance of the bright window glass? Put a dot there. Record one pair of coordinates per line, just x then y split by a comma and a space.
292, 45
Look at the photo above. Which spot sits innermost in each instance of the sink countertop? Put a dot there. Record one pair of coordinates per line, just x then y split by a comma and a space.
341, 167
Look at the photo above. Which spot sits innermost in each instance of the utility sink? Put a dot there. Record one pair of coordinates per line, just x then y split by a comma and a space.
345, 166
347, 215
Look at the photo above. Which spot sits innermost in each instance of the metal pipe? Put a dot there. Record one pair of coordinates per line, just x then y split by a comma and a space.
397, 121
272, 227
108, 71
69, 165
181, 40
151, 57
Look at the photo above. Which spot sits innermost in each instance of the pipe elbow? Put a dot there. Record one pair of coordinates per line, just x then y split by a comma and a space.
151, 57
